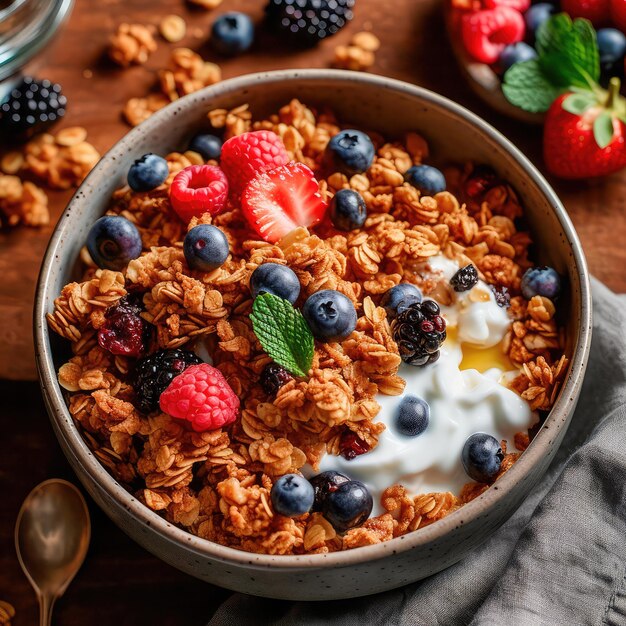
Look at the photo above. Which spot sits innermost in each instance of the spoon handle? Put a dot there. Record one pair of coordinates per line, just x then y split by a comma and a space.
45, 609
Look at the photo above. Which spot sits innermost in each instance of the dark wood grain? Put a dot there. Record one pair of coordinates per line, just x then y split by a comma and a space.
120, 583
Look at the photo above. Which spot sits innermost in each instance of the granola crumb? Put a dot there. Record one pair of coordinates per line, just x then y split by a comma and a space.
22, 202
359, 54
131, 44
173, 28
209, 5
7, 613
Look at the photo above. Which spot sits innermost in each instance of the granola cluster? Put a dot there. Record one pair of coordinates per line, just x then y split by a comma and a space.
131, 44
217, 484
359, 54
187, 72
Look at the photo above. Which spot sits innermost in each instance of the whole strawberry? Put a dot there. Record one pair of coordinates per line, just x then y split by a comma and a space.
584, 134
618, 14
596, 11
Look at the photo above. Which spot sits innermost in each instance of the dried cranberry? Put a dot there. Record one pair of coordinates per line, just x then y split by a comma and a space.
124, 333
273, 377
351, 445
483, 178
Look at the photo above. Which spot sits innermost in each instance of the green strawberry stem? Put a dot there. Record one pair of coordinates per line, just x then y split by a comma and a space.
613, 93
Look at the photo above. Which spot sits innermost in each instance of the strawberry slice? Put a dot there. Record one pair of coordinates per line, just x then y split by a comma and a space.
282, 199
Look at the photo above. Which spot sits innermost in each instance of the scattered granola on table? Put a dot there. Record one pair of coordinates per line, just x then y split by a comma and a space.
312, 343
359, 54
131, 44
187, 72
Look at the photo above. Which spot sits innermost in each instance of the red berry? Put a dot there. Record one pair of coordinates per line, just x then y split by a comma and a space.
519, 5
201, 396
486, 33
280, 200
351, 445
244, 156
618, 15
597, 11
199, 189
124, 332
570, 149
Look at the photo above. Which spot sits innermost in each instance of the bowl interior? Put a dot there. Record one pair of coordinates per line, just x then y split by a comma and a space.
386, 106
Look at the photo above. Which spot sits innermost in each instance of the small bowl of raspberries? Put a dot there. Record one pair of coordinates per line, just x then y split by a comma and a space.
500, 43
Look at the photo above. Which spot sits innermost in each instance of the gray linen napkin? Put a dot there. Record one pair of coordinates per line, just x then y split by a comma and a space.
561, 558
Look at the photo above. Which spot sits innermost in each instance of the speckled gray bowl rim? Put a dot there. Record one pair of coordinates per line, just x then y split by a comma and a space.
556, 420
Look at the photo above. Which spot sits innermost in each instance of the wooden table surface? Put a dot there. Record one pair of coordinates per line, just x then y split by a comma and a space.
120, 583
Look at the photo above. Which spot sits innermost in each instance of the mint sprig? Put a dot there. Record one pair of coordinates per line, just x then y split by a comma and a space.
567, 57
283, 333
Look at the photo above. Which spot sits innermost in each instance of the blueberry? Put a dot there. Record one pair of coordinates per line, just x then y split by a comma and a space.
276, 279
541, 281
292, 495
348, 506
536, 15
612, 48
330, 315
113, 241
350, 152
208, 146
148, 172
400, 297
348, 210
325, 483
516, 53
232, 33
205, 247
482, 457
413, 416
429, 180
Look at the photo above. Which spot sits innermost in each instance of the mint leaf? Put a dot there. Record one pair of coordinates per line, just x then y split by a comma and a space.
578, 103
568, 51
526, 86
603, 129
283, 333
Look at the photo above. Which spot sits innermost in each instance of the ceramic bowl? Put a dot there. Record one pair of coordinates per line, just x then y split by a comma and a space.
391, 107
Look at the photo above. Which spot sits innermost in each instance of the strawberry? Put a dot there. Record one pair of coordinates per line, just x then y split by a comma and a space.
486, 33
279, 200
596, 11
585, 134
618, 14
519, 5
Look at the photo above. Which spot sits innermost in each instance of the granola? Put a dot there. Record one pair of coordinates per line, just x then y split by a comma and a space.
218, 484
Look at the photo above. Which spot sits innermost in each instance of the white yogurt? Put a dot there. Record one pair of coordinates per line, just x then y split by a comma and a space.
462, 402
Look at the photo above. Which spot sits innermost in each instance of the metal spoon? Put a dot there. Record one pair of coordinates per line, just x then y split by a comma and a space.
51, 538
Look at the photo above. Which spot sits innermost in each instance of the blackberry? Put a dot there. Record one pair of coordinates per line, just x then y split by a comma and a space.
273, 377
419, 332
465, 278
124, 332
32, 106
308, 21
155, 372
502, 296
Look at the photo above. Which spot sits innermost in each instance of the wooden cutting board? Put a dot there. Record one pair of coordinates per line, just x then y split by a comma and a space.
415, 49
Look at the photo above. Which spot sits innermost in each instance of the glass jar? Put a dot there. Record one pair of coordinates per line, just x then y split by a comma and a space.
25, 27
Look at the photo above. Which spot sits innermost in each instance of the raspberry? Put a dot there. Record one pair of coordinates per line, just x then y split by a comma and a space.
154, 373
201, 396
124, 333
486, 33
419, 332
244, 156
465, 278
199, 189
273, 377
